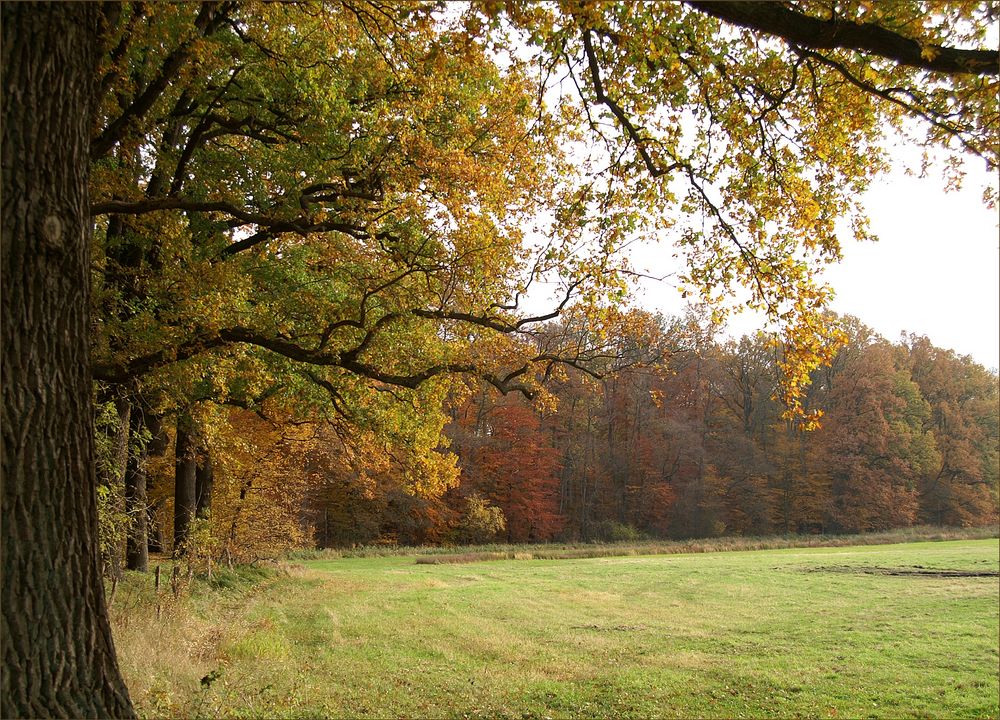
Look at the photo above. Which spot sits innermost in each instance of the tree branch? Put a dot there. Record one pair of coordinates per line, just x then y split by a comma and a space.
800, 29
495, 323
616, 110
925, 113
210, 17
272, 225
347, 361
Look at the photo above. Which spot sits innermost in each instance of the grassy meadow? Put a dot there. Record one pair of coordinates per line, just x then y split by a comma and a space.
889, 631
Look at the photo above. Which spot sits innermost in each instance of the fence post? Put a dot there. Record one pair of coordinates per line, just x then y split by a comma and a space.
159, 602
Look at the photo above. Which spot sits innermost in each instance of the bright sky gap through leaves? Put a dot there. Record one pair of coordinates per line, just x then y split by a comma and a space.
935, 270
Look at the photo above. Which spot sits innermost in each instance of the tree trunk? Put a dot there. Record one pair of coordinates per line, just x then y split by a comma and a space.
137, 542
58, 655
155, 538
185, 483
204, 481
113, 476
159, 443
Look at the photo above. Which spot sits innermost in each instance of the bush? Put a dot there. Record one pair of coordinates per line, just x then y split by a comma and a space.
481, 522
611, 531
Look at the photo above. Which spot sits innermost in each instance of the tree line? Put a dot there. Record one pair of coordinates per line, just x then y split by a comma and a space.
699, 445
680, 434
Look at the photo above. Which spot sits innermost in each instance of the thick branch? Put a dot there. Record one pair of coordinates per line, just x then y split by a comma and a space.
139, 366
300, 226
347, 361
801, 29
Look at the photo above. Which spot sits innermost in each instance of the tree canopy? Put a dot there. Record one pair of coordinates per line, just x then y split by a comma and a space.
328, 182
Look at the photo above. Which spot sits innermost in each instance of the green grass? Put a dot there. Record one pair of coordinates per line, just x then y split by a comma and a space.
814, 632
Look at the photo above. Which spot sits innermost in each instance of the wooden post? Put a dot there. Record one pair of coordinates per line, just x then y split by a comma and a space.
159, 603
114, 589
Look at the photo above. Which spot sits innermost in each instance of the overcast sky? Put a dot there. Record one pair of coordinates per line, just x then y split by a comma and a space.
935, 270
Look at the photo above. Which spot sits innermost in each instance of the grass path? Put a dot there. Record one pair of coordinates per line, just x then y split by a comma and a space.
818, 632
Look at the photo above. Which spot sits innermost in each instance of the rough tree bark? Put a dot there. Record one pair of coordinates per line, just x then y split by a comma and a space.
58, 655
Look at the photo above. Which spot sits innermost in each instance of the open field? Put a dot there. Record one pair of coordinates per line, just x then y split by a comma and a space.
904, 630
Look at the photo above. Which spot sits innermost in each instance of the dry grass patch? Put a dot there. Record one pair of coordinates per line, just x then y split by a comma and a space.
168, 642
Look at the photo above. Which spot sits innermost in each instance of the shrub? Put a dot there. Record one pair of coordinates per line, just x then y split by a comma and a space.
481, 522
611, 531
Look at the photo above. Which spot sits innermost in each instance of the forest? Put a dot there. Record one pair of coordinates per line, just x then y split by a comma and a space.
267, 271
676, 434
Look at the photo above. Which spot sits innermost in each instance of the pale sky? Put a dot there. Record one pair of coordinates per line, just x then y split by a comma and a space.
935, 270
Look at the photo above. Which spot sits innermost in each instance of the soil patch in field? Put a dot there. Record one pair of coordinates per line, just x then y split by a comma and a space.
609, 628
913, 570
